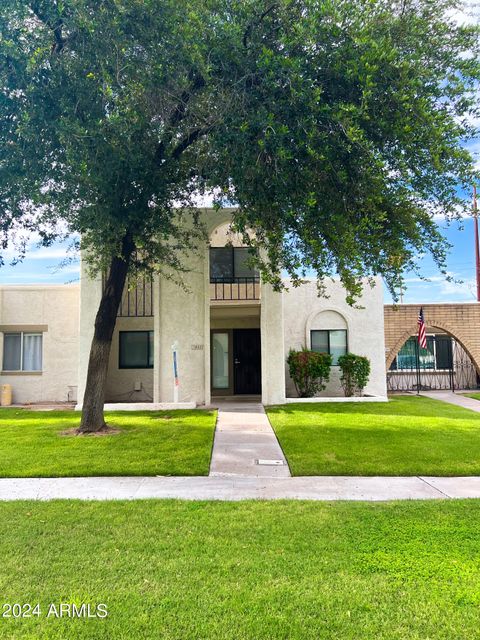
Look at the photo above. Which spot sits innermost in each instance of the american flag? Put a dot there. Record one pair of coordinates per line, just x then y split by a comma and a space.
422, 336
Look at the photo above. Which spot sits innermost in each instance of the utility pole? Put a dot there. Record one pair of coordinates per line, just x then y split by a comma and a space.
477, 249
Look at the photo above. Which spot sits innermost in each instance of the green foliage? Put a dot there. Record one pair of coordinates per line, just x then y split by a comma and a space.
355, 373
336, 127
309, 371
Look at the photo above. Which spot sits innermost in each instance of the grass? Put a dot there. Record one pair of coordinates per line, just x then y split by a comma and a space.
475, 396
407, 436
149, 443
244, 571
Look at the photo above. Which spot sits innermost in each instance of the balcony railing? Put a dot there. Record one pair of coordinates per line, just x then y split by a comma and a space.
239, 288
137, 298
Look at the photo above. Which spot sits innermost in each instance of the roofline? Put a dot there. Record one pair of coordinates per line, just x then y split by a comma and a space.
427, 304
10, 287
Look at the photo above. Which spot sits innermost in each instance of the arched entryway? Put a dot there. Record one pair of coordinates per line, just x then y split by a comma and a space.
445, 364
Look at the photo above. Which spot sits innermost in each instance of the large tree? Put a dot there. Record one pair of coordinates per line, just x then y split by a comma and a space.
337, 128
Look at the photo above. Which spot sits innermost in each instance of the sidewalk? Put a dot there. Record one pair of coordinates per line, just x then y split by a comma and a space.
453, 398
240, 488
245, 444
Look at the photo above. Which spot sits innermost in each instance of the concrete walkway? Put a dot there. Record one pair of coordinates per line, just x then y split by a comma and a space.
453, 398
245, 444
240, 488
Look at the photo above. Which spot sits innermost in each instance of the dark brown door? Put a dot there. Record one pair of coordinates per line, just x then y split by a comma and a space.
247, 361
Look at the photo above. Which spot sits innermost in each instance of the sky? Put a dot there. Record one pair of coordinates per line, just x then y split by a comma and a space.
43, 265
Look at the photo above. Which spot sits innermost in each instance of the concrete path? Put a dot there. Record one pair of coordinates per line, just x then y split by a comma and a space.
245, 444
240, 488
453, 398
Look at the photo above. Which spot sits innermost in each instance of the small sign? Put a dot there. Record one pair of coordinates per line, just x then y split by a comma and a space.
197, 347
270, 463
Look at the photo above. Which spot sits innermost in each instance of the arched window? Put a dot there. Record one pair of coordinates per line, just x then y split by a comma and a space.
329, 334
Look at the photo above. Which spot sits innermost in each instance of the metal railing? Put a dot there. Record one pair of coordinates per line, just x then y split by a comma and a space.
239, 288
461, 374
137, 298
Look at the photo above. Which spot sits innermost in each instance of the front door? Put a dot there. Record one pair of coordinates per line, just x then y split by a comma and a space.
247, 361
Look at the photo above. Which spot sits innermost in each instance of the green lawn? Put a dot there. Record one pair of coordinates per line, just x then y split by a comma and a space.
249, 570
475, 396
407, 436
149, 443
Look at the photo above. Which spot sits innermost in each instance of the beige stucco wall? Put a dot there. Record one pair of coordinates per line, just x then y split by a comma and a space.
121, 383
53, 310
304, 311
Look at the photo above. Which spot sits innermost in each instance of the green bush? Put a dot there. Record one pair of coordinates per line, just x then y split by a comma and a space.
355, 373
309, 371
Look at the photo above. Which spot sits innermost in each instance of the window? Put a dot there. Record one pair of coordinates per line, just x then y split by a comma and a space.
332, 341
22, 351
136, 350
437, 356
220, 378
228, 264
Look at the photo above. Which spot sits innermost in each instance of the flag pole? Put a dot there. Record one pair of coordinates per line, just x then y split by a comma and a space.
421, 341
417, 358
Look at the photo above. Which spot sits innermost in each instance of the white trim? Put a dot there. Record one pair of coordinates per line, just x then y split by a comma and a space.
311, 317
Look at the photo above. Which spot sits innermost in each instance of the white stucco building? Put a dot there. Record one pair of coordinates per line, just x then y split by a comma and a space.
230, 332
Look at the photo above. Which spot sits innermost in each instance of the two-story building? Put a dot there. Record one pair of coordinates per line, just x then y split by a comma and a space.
226, 334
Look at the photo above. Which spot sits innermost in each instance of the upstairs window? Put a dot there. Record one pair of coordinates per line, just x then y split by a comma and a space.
22, 351
332, 341
230, 264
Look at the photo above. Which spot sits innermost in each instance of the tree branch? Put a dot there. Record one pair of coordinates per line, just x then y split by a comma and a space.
180, 110
250, 27
56, 27
192, 137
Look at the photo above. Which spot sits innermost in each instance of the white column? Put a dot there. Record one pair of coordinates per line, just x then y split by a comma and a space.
90, 296
182, 321
206, 339
273, 346
156, 339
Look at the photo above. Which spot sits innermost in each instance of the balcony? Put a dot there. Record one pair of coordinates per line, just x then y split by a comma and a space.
232, 276
236, 289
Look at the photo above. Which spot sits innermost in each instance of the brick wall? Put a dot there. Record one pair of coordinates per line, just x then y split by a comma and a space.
460, 320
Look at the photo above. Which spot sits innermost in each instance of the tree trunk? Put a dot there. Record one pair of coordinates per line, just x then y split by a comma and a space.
94, 397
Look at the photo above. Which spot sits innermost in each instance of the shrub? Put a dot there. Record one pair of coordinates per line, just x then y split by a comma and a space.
355, 373
309, 371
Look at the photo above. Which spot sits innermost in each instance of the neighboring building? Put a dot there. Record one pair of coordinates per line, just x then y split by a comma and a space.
39, 350
452, 357
231, 332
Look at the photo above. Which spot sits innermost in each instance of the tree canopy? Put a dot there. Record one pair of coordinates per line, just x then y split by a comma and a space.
337, 127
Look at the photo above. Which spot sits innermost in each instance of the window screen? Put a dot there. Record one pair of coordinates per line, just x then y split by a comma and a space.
12, 351
241, 257
221, 263
22, 351
332, 341
136, 350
